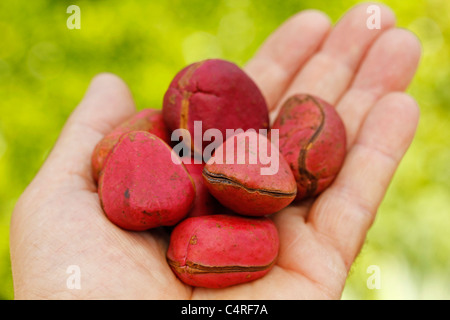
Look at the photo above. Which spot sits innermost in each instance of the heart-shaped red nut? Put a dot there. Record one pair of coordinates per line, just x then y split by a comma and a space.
219, 94
312, 139
144, 184
248, 175
149, 120
222, 250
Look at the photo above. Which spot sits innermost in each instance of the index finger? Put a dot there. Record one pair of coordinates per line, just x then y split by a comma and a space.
285, 52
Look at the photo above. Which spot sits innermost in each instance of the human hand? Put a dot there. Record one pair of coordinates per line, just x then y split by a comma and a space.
58, 221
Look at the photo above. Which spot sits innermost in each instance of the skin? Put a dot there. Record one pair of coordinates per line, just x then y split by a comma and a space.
58, 221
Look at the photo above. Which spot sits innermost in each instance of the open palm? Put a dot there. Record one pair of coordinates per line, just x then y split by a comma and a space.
58, 221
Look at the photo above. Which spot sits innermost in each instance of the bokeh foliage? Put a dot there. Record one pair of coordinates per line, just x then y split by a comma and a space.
45, 69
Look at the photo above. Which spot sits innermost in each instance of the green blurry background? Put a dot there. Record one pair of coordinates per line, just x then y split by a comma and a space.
45, 69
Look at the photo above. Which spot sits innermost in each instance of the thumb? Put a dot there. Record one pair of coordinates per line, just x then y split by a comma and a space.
106, 104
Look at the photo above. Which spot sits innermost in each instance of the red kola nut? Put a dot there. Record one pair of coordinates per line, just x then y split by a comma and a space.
222, 250
219, 94
312, 139
205, 203
149, 120
248, 175
141, 187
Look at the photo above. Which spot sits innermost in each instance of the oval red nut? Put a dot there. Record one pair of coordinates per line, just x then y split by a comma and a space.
205, 203
312, 139
219, 94
222, 250
149, 120
248, 175
142, 187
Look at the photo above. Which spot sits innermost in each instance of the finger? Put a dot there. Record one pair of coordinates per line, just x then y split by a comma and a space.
330, 71
346, 210
389, 66
285, 51
106, 104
